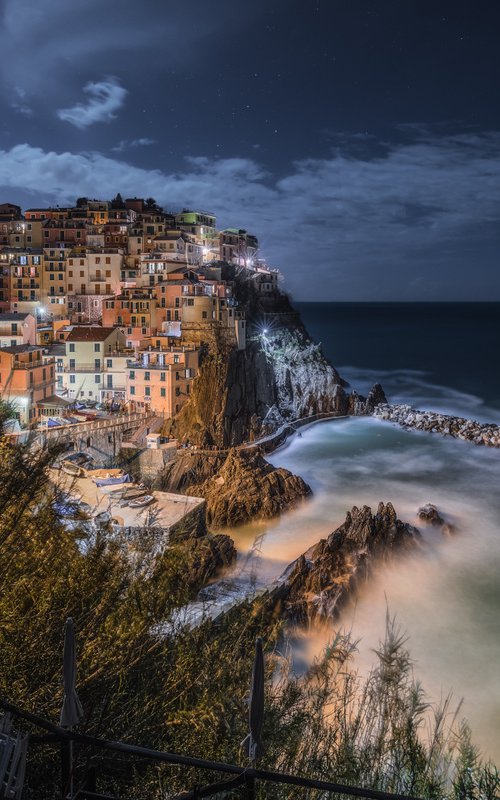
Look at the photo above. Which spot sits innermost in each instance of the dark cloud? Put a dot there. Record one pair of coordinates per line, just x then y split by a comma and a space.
356, 139
406, 225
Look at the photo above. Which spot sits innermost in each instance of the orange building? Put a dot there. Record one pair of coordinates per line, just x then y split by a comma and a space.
136, 311
26, 378
162, 380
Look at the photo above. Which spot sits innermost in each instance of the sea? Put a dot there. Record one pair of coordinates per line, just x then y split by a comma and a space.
446, 598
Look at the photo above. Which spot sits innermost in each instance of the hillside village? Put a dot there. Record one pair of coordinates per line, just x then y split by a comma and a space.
107, 305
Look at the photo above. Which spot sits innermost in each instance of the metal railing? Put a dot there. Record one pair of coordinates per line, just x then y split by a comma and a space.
244, 777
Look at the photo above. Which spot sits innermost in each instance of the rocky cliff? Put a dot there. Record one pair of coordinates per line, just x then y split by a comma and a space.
319, 582
247, 487
281, 376
238, 486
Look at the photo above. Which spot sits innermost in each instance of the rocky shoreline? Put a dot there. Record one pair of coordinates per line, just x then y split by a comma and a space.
487, 434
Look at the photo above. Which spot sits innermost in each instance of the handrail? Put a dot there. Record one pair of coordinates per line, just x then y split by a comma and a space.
216, 766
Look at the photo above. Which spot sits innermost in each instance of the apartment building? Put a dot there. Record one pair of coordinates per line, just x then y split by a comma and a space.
136, 311
237, 246
26, 377
17, 329
81, 358
162, 380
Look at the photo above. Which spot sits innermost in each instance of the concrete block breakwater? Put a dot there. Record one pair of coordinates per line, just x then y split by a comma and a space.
468, 430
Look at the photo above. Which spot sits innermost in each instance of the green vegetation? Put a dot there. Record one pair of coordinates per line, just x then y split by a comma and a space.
185, 690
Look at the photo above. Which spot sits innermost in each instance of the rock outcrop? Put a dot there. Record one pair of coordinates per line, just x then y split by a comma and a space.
248, 487
431, 516
206, 557
458, 427
319, 582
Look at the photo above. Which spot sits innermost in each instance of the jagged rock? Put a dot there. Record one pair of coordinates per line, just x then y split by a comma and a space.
357, 405
251, 489
376, 396
207, 556
319, 584
430, 514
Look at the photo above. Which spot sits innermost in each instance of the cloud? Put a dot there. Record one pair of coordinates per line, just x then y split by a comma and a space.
131, 144
35, 55
105, 98
418, 222
18, 103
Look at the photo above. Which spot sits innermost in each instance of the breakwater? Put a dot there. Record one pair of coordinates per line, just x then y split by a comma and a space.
468, 430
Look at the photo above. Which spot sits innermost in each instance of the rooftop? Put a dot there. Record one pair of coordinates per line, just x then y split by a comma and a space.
7, 317
21, 348
89, 333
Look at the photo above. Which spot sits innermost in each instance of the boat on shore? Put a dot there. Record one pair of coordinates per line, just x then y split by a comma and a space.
142, 502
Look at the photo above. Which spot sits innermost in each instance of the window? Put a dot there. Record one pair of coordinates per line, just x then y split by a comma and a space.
72, 378
97, 378
71, 347
132, 390
147, 376
72, 363
109, 363
177, 391
97, 347
177, 376
163, 392
132, 374
147, 391
162, 376
176, 359
97, 363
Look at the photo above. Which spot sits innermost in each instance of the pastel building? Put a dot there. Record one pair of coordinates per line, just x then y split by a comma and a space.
136, 311
54, 299
25, 268
26, 377
162, 380
81, 359
17, 329
237, 246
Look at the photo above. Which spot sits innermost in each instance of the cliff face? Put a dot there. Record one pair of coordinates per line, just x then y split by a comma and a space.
241, 395
280, 377
321, 581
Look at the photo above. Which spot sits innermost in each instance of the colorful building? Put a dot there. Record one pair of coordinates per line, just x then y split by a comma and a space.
26, 377
162, 380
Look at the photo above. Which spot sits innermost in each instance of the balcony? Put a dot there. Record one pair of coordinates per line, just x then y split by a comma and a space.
99, 278
82, 368
32, 364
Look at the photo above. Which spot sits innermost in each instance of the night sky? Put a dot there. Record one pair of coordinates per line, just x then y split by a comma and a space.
359, 140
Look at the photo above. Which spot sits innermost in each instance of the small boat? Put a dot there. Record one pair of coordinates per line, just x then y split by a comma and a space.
132, 494
142, 502
71, 469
